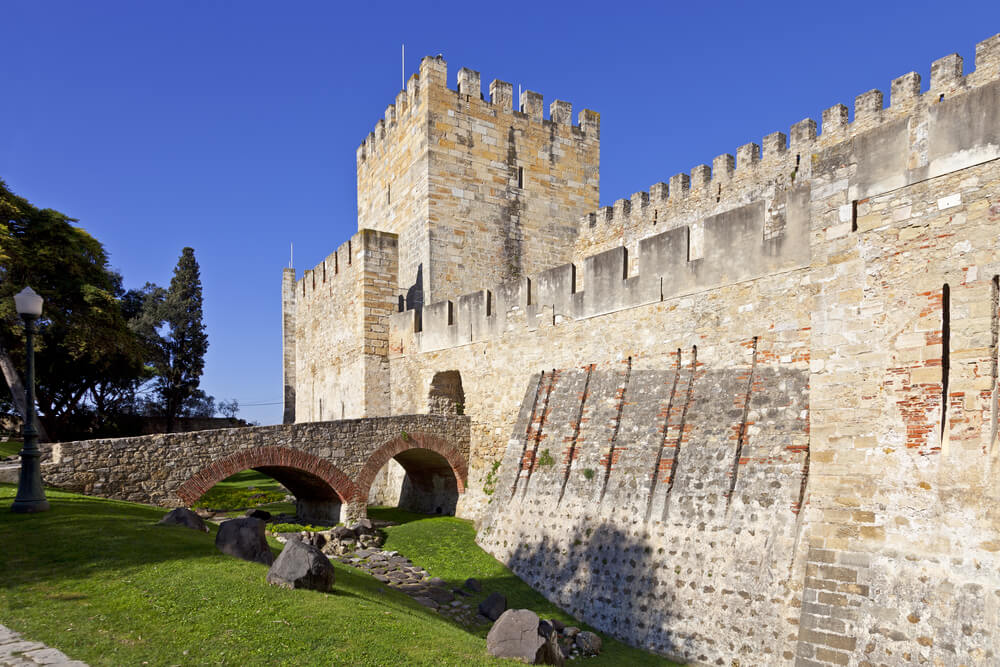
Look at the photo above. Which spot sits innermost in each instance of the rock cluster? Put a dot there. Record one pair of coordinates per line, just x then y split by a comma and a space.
521, 635
343, 540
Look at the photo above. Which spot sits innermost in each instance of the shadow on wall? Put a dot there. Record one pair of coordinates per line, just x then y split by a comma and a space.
607, 579
446, 396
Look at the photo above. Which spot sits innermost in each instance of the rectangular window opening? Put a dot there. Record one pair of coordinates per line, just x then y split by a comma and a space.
527, 282
624, 263
854, 215
520, 177
451, 313
349, 253
489, 303
572, 278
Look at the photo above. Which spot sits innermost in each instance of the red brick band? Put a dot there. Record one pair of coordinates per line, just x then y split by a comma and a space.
383, 454
257, 457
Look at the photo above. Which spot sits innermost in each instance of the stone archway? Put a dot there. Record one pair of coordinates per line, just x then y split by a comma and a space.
435, 472
320, 489
446, 396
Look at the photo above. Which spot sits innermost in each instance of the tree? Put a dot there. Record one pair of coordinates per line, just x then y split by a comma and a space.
181, 355
229, 409
85, 350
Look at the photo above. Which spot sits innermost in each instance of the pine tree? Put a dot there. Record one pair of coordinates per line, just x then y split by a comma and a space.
182, 357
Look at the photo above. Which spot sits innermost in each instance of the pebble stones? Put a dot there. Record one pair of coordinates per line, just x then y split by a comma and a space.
399, 573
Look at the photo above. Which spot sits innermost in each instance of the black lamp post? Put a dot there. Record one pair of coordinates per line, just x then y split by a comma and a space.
30, 492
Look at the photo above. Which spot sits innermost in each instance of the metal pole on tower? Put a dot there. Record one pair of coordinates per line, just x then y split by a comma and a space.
402, 69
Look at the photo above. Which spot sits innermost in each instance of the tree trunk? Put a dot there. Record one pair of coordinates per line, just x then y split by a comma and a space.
17, 392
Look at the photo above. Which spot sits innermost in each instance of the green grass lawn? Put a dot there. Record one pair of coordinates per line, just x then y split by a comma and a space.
100, 581
9, 448
244, 490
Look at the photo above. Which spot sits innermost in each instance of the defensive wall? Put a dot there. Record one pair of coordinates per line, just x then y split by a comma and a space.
325, 465
753, 419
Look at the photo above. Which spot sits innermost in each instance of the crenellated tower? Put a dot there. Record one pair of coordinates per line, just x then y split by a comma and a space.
479, 193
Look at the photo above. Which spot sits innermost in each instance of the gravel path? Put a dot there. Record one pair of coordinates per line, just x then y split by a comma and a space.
16, 651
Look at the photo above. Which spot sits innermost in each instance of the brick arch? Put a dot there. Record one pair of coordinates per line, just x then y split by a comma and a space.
396, 446
268, 457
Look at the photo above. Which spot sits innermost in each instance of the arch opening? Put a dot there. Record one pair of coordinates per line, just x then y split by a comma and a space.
417, 480
446, 396
320, 490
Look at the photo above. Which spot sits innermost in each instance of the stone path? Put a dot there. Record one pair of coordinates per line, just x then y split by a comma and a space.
399, 573
18, 652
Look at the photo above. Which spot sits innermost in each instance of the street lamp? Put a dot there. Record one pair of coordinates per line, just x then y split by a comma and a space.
30, 492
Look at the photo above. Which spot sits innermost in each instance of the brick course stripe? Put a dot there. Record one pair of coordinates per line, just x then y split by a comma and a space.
258, 457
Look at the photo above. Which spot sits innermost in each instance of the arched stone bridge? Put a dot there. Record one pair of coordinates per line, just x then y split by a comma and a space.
323, 464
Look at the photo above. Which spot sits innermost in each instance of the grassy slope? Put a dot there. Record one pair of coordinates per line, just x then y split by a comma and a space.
445, 547
9, 448
100, 581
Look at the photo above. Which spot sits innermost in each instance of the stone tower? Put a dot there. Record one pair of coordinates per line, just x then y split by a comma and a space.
478, 193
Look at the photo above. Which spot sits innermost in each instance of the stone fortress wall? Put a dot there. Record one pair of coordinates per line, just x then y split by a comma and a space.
754, 417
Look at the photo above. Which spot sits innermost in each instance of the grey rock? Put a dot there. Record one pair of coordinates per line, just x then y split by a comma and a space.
588, 643
571, 631
302, 565
515, 635
549, 653
473, 585
182, 516
427, 602
494, 605
364, 527
315, 539
244, 538
436, 581
439, 595
341, 532
258, 514
557, 625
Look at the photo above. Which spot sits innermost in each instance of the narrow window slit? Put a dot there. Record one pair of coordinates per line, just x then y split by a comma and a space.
520, 177
945, 352
854, 215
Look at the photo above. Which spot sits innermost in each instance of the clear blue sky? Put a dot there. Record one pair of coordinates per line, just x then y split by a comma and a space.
231, 127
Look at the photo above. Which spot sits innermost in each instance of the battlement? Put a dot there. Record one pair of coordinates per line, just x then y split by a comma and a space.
468, 90
668, 270
733, 181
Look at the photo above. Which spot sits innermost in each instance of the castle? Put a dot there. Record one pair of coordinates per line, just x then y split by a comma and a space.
747, 417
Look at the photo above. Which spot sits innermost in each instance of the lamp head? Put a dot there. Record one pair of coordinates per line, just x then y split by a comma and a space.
28, 303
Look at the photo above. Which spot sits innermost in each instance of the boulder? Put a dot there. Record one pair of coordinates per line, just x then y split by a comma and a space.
494, 605
258, 514
182, 516
244, 538
550, 653
588, 643
515, 635
571, 631
557, 625
302, 565
473, 585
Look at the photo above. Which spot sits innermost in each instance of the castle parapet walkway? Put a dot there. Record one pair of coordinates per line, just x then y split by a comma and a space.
323, 464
